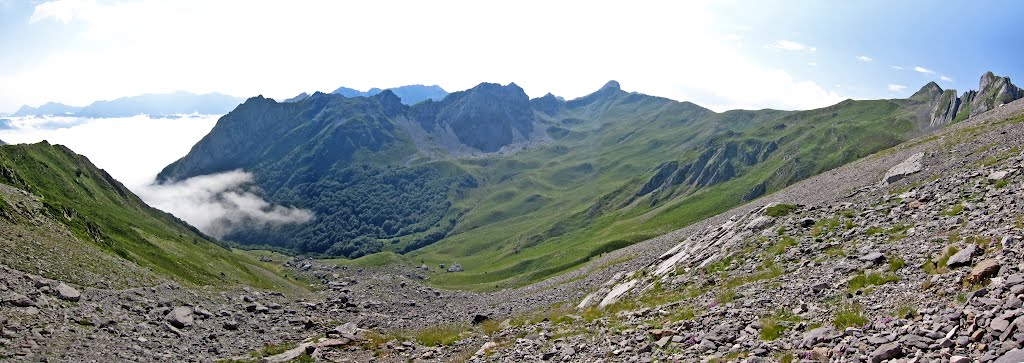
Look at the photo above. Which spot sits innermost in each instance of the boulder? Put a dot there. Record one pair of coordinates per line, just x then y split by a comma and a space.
1013, 356
180, 317
873, 257
998, 175
983, 270
962, 257
68, 293
231, 325
455, 267
886, 352
19, 300
913, 164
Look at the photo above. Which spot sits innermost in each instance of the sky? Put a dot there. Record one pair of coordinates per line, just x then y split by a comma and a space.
722, 54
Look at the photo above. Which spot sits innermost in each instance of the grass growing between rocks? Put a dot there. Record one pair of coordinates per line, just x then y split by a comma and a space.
780, 210
440, 335
849, 316
896, 263
824, 226
268, 350
868, 279
934, 267
954, 210
773, 326
780, 247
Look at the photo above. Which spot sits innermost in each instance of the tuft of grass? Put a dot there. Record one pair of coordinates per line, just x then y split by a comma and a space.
1002, 183
934, 267
681, 314
773, 326
824, 226
849, 316
835, 251
726, 296
489, 327
787, 357
862, 280
440, 335
906, 312
780, 210
780, 247
896, 262
273, 349
954, 210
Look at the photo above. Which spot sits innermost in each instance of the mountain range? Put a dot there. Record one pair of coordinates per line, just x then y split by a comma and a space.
165, 104
516, 189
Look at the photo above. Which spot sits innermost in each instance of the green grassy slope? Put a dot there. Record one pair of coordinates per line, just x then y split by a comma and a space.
548, 210
104, 216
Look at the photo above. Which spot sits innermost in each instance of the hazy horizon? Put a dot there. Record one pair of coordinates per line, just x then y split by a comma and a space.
721, 55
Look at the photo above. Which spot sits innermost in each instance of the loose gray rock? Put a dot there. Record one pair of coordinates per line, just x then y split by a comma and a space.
19, 300
886, 352
1013, 356
180, 317
65, 292
912, 165
962, 257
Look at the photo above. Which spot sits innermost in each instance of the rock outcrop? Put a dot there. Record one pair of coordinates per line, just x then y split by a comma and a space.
993, 91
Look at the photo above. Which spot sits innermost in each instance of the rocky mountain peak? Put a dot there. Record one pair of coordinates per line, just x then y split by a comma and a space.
611, 85
548, 104
994, 91
987, 79
927, 93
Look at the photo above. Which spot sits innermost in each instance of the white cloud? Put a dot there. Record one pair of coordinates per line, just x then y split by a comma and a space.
61, 10
897, 67
864, 58
220, 203
945, 79
923, 70
896, 87
812, 64
791, 46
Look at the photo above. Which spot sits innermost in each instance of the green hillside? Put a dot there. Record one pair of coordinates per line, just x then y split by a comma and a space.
547, 210
604, 171
82, 222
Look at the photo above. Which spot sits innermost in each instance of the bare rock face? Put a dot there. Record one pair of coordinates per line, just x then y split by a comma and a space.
994, 91
910, 166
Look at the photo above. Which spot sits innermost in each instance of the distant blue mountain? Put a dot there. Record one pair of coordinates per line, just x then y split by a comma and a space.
410, 95
49, 108
149, 104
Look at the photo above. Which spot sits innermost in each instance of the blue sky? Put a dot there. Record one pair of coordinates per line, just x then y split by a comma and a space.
723, 55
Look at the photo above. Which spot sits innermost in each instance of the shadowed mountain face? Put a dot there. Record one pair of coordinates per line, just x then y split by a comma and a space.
588, 175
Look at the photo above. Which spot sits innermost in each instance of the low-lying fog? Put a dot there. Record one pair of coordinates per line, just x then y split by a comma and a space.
134, 149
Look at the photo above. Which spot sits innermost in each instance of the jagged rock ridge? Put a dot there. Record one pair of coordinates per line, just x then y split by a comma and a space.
993, 91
